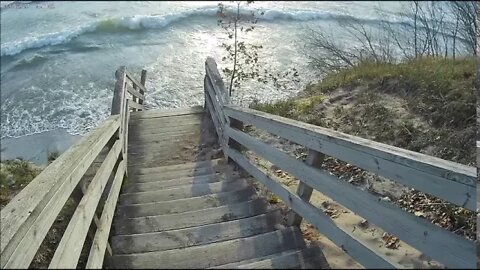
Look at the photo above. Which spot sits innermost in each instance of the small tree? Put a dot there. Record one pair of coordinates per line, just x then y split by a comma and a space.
244, 56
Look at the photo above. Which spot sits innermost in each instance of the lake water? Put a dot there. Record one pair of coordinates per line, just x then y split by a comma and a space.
58, 58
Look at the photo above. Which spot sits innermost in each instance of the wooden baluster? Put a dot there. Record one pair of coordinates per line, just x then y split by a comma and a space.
304, 191
234, 123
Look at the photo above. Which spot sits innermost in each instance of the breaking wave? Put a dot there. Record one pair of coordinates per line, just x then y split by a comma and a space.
142, 22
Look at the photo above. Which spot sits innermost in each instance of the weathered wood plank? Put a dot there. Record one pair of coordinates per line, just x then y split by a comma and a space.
179, 119
135, 105
195, 236
134, 92
166, 130
169, 138
26, 220
304, 191
183, 166
181, 192
100, 241
70, 247
137, 83
450, 181
155, 128
342, 238
166, 112
216, 121
218, 253
178, 182
215, 100
308, 258
191, 218
143, 78
436, 242
119, 92
216, 79
156, 174
186, 204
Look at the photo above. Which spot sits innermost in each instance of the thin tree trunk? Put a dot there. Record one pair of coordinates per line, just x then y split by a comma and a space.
235, 51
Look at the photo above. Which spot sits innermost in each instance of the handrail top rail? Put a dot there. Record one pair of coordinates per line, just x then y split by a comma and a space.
14, 214
447, 169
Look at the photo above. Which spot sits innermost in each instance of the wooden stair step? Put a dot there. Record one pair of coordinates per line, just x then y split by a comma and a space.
187, 204
190, 219
181, 192
172, 135
158, 172
133, 187
152, 150
193, 236
214, 254
182, 166
173, 120
307, 258
166, 113
138, 133
166, 176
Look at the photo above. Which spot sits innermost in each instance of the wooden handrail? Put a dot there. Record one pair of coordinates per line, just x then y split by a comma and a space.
450, 181
27, 219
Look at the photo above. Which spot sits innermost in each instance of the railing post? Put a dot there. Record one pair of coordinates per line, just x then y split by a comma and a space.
304, 191
143, 79
118, 93
205, 94
234, 123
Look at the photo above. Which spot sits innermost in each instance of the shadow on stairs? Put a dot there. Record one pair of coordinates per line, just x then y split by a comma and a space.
183, 206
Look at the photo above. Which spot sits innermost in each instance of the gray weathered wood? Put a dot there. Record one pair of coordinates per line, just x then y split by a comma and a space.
194, 236
143, 78
186, 204
181, 167
165, 138
451, 181
164, 184
135, 93
304, 191
143, 175
176, 119
166, 112
215, 100
436, 242
308, 258
216, 79
137, 83
217, 253
119, 92
342, 238
26, 220
70, 247
217, 123
145, 131
190, 219
181, 192
100, 241
135, 105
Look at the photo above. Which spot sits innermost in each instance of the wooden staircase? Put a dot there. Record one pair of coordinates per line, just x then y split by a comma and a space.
154, 189
183, 206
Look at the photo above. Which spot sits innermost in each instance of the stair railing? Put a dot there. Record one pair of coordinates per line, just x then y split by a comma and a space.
91, 172
449, 181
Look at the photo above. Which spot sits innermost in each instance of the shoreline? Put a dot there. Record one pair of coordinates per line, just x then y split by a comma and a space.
36, 147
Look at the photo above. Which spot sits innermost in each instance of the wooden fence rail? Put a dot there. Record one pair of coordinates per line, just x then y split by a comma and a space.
447, 180
27, 219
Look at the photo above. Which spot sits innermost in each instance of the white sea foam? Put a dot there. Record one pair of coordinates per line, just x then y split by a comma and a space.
139, 22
